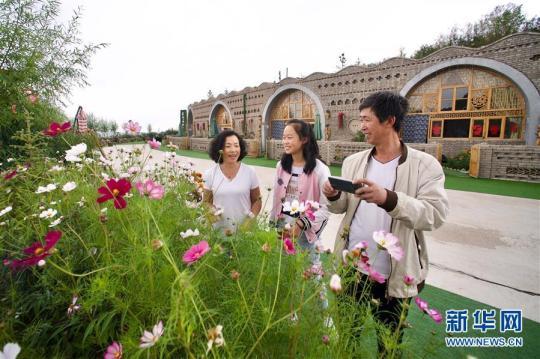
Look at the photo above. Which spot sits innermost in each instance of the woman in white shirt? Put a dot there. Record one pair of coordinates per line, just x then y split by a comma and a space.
231, 186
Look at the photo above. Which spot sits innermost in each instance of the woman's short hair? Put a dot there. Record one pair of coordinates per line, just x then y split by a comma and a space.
218, 144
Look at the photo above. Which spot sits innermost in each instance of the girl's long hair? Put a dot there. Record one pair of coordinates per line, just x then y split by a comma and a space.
310, 149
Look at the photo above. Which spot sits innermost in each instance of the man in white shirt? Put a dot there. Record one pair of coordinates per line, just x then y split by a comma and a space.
403, 193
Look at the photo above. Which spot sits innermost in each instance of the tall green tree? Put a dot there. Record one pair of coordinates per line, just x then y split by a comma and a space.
504, 20
41, 60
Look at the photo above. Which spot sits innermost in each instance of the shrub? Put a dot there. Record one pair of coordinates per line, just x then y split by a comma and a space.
460, 162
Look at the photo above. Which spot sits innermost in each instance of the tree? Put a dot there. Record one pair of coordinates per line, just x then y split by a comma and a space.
40, 62
210, 94
342, 60
114, 127
504, 20
149, 128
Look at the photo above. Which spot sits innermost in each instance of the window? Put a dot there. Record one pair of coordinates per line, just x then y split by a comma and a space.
477, 130
447, 97
462, 94
436, 128
512, 128
494, 127
456, 128
454, 99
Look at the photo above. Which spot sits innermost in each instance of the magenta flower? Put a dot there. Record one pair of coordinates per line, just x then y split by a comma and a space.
114, 351
289, 246
390, 243
37, 251
408, 280
55, 129
10, 175
195, 253
151, 189
435, 315
154, 144
115, 190
422, 304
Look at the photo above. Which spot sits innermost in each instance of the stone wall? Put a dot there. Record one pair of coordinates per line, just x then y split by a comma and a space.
334, 152
344, 90
453, 147
200, 144
183, 143
509, 162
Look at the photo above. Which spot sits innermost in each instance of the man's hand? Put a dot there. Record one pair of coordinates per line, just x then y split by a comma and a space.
328, 190
370, 191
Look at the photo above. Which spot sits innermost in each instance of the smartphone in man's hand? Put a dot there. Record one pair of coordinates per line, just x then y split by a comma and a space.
344, 185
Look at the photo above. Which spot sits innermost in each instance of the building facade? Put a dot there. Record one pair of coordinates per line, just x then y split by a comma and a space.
458, 97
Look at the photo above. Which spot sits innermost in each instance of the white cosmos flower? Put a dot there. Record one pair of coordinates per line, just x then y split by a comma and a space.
48, 188
149, 339
293, 207
190, 233
215, 337
74, 153
70, 186
56, 168
335, 283
81, 202
5, 210
10, 351
56, 222
48, 214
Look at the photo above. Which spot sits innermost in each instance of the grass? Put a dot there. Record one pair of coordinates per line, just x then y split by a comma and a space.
463, 182
455, 180
427, 335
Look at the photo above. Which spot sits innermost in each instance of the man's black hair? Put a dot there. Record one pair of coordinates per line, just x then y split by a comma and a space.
386, 104
218, 144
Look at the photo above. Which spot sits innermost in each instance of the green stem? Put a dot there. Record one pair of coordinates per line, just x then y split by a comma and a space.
65, 271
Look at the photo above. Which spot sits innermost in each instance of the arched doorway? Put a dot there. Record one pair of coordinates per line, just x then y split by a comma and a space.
288, 102
471, 99
221, 114
466, 103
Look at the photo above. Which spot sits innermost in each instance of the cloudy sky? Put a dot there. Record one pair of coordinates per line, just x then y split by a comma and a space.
164, 55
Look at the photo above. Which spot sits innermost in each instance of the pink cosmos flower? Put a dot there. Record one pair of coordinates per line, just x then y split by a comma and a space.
289, 246
37, 251
149, 339
132, 127
309, 211
151, 189
374, 275
154, 144
389, 242
435, 315
114, 351
195, 253
408, 280
422, 304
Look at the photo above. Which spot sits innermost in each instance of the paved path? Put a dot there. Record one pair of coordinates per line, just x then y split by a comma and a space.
488, 250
